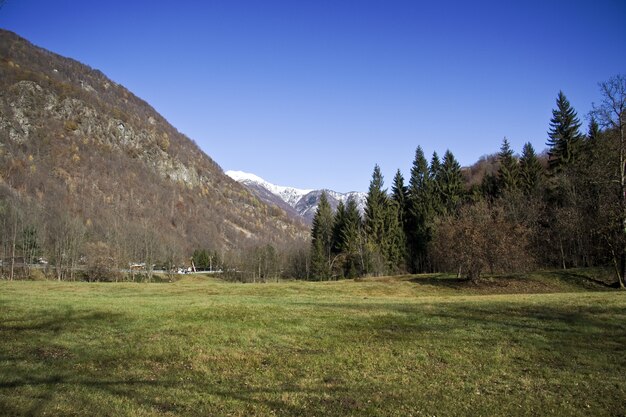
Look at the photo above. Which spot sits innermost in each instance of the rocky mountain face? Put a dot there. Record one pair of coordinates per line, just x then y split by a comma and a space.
74, 144
299, 203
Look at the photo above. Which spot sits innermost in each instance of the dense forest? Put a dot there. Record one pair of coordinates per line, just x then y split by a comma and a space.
506, 213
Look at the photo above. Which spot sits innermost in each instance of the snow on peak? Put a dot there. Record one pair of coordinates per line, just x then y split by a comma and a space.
289, 195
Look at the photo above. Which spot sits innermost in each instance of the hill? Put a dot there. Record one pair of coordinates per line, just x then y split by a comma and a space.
81, 154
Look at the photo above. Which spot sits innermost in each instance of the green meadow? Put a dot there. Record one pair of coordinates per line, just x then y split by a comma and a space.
551, 343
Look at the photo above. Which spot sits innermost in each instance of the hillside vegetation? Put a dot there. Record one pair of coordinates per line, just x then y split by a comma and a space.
90, 170
542, 344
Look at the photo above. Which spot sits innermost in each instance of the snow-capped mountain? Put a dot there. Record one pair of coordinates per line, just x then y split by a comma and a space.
295, 201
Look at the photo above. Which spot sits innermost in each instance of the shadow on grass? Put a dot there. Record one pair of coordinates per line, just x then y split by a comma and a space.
161, 395
45, 369
587, 278
596, 279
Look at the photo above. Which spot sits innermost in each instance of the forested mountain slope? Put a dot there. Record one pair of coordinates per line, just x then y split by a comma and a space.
82, 154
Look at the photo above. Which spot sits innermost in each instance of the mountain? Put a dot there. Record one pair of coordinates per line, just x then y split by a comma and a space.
295, 201
80, 152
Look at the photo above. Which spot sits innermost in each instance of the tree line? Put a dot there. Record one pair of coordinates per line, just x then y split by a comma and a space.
509, 212
564, 209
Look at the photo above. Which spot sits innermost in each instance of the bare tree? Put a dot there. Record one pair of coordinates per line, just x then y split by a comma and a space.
611, 114
481, 238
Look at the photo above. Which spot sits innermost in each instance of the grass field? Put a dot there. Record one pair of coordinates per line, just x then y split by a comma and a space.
544, 344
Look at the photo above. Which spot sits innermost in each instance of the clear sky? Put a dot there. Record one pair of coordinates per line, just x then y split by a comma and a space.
313, 93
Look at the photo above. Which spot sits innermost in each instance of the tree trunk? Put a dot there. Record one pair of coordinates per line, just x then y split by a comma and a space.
562, 254
14, 238
622, 163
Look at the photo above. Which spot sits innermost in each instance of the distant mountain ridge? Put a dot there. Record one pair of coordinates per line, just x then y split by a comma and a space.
300, 203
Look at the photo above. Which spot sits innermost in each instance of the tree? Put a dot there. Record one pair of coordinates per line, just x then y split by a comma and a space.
450, 183
420, 212
400, 194
339, 225
434, 175
530, 170
352, 240
611, 114
508, 173
321, 240
201, 259
383, 231
375, 209
374, 221
564, 134
394, 242
593, 131
481, 238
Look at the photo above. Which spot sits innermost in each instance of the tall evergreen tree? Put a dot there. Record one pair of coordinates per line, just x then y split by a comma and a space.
394, 243
382, 228
593, 131
352, 244
374, 222
450, 183
339, 225
400, 194
564, 135
375, 203
530, 170
434, 175
321, 239
420, 213
508, 180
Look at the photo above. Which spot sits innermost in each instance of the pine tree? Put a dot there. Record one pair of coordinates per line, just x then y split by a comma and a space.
382, 228
339, 225
530, 170
400, 194
564, 135
352, 245
593, 131
508, 180
450, 183
375, 208
394, 243
434, 175
321, 240
420, 212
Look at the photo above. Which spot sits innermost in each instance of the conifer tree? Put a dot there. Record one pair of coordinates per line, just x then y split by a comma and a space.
450, 183
400, 194
339, 224
352, 245
593, 131
564, 135
530, 170
375, 208
394, 243
420, 213
321, 240
434, 175
380, 225
508, 169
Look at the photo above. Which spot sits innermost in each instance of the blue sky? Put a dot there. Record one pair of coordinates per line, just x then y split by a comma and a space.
313, 93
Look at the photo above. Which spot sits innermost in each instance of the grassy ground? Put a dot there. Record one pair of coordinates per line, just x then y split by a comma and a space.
420, 346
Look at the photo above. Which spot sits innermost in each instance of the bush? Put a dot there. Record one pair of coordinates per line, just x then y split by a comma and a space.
481, 238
